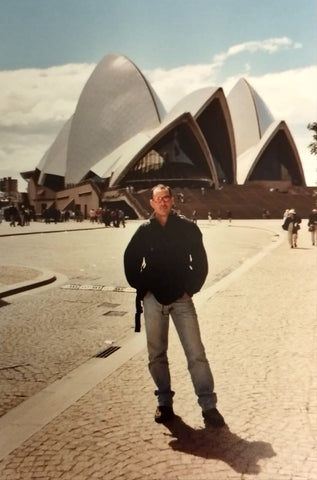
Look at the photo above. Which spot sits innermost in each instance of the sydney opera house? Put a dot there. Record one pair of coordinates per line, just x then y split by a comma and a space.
120, 142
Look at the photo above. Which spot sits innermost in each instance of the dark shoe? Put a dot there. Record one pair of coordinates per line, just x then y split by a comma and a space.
164, 414
213, 418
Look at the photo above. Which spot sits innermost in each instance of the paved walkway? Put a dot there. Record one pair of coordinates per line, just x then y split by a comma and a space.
259, 329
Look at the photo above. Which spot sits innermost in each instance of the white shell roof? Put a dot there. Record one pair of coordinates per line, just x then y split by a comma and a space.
116, 103
250, 116
193, 103
197, 102
248, 160
121, 155
119, 161
119, 117
55, 159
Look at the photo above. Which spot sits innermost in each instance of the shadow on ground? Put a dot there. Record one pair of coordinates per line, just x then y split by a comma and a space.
219, 444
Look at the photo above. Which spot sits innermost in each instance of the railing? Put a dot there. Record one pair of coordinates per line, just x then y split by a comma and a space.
126, 196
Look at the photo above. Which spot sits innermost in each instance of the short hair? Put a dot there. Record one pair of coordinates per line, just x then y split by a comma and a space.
160, 186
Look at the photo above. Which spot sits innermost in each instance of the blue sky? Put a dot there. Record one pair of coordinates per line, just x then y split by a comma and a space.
165, 33
48, 49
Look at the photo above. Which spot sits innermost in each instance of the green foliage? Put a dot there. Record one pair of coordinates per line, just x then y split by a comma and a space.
313, 146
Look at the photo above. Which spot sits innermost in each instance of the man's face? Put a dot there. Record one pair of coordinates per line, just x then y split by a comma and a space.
161, 202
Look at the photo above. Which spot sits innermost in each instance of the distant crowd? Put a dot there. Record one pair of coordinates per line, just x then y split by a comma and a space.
109, 217
22, 216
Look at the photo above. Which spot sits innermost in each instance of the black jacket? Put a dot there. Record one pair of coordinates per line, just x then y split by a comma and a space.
312, 219
295, 220
166, 260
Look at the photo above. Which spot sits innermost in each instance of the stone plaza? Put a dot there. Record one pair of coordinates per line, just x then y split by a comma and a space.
68, 413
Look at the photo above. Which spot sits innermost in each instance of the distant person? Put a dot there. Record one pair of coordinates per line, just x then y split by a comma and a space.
312, 225
194, 216
209, 216
181, 197
121, 218
92, 215
27, 217
78, 215
166, 262
106, 218
21, 211
99, 215
266, 214
14, 216
292, 225
13, 219
114, 218
229, 216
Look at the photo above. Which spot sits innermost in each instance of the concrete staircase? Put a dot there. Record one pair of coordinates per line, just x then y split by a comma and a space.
244, 201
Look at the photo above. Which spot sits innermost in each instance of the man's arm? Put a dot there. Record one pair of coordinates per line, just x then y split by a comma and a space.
199, 263
133, 259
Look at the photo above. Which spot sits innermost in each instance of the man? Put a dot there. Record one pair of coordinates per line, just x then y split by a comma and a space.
166, 262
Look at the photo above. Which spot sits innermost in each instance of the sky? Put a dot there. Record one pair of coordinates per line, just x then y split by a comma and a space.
49, 48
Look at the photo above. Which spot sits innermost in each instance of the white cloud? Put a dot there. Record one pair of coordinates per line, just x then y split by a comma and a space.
271, 45
34, 105
40, 97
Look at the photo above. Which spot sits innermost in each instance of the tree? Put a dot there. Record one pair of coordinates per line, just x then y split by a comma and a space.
313, 146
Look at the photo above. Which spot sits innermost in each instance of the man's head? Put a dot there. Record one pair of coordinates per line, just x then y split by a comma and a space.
162, 200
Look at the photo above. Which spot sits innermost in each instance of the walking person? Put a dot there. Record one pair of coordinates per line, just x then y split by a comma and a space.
292, 225
166, 262
312, 225
121, 218
229, 216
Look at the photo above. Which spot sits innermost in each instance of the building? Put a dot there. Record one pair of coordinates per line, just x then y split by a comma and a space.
9, 190
120, 141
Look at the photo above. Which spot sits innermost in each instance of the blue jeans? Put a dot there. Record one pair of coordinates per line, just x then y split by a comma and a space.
184, 316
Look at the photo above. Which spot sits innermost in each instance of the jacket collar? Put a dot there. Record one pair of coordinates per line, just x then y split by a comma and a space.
172, 216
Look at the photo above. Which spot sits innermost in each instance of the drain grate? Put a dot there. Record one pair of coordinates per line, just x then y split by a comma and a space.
78, 286
108, 351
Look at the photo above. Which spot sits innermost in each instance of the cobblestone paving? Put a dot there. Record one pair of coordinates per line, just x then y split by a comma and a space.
57, 338
16, 274
260, 337
47, 333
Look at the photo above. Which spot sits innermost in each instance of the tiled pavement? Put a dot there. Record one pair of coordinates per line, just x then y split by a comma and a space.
259, 329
